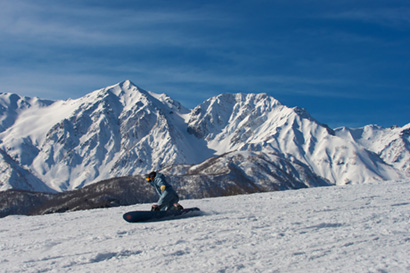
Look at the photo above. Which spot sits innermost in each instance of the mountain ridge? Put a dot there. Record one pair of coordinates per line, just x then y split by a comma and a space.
124, 130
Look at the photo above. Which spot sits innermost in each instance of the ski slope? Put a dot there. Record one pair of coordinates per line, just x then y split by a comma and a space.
353, 228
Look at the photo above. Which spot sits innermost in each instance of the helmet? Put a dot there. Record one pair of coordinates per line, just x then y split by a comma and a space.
151, 176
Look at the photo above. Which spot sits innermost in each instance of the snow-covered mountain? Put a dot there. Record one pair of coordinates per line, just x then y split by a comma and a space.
392, 144
123, 130
258, 122
116, 131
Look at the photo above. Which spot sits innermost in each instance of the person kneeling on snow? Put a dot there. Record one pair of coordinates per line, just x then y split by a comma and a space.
168, 198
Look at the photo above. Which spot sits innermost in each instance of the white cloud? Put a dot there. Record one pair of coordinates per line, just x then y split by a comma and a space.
392, 17
61, 23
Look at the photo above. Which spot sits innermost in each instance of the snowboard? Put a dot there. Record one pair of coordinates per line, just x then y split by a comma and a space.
151, 216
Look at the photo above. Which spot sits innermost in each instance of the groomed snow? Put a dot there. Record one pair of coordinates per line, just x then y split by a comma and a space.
355, 228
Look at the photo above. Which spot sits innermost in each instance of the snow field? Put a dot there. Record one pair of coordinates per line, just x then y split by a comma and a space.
355, 228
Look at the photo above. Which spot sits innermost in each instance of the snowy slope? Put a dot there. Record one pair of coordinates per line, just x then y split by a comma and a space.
391, 144
17, 177
123, 130
239, 173
12, 105
258, 122
353, 228
116, 131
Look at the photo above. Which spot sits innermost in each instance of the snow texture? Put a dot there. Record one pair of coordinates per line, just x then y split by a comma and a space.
352, 228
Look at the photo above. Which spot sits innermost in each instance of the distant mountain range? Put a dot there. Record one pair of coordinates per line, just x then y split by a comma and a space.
247, 139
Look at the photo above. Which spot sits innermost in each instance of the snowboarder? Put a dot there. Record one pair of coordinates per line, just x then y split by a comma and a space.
168, 198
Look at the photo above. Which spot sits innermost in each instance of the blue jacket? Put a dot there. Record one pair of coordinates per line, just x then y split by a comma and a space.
167, 195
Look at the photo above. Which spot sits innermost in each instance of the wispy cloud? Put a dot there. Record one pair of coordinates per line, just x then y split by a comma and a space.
60, 23
391, 17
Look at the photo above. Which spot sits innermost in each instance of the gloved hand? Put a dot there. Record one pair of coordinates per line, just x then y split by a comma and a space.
155, 207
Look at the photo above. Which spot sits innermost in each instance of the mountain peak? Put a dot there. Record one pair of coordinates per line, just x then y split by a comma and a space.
126, 93
124, 130
244, 98
124, 88
126, 84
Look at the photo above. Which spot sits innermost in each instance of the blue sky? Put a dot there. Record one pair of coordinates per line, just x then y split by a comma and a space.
346, 62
